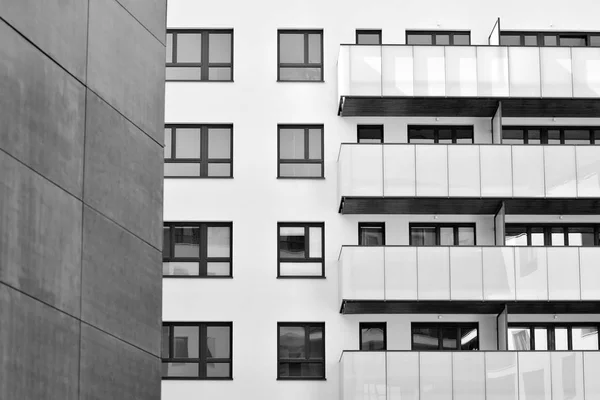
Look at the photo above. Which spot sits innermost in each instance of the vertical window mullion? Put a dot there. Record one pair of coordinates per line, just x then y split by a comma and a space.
307, 342
306, 144
173, 142
437, 236
454, 134
566, 235
532, 337
455, 238
203, 345
570, 337
174, 49
171, 341
306, 242
204, 56
172, 244
306, 48
203, 250
204, 151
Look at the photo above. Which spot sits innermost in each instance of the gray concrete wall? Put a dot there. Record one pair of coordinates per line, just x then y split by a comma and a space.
81, 122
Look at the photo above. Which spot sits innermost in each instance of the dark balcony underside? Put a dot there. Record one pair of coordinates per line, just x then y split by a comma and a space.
468, 307
454, 205
352, 106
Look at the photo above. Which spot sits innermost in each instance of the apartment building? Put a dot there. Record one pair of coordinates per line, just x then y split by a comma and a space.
396, 200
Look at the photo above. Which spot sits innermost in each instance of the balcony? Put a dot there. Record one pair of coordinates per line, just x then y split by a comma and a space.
470, 179
466, 375
469, 279
403, 80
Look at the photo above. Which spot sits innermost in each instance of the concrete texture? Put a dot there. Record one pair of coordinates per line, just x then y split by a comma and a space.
151, 13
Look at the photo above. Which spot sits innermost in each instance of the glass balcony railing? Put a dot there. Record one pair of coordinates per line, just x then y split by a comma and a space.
469, 273
469, 171
480, 375
469, 71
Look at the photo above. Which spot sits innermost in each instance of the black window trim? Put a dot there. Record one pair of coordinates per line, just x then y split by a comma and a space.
306, 64
306, 226
203, 360
547, 232
203, 259
306, 326
362, 225
368, 325
446, 325
544, 132
551, 332
204, 65
433, 34
541, 34
369, 32
369, 126
436, 132
437, 227
305, 160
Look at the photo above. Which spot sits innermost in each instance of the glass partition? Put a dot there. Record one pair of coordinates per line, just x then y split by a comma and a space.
403, 375
534, 375
524, 70
501, 376
463, 171
591, 362
401, 273
429, 71
434, 273
365, 70
398, 71
466, 275
586, 79
567, 375
559, 170
563, 274
588, 171
499, 273
531, 273
556, 72
492, 71
461, 71
432, 170
358, 281
399, 166
528, 171
363, 375
435, 375
590, 273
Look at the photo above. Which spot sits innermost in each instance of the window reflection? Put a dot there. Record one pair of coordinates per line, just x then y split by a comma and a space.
372, 336
519, 339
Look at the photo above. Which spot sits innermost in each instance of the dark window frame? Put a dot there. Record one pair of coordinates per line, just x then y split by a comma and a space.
436, 132
306, 159
551, 333
306, 326
204, 64
307, 258
434, 33
203, 161
203, 360
540, 35
437, 227
544, 133
368, 325
361, 127
362, 225
547, 231
369, 32
203, 258
444, 325
305, 64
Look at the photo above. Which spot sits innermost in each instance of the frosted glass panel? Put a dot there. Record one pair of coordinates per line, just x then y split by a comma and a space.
588, 171
463, 171
362, 277
556, 72
501, 376
432, 170
591, 361
361, 172
534, 376
434, 273
436, 376
300, 269
365, 70
590, 273
567, 375
429, 71
344, 71
563, 273
466, 273
492, 71
532, 273
403, 376
499, 273
399, 164
363, 376
468, 375
586, 72
528, 171
461, 71
561, 180
316, 242
397, 71
524, 67
400, 273
496, 171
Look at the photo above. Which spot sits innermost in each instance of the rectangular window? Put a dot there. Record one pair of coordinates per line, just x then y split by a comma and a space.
197, 350
543, 337
300, 250
548, 135
369, 133
445, 336
566, 39
371, 233
199, 55
198, 151
423, 234
373, 336
300, 151
439, 38
440, 134
300, 55
551, 235
368, 36
301, 350
193, 249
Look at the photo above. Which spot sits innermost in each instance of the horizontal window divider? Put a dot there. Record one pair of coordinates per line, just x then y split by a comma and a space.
300, 161
300, 65
219, 160
218, 259
183, 64
198, 276
219, 65
300, 360
301, 277
300, 260
182, 160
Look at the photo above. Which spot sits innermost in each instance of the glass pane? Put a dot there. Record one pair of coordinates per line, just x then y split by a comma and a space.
167, 148
510, 40
315, 338
218, 269
178, 268
567, 375
577, 136
561, 339
219, 47
449, 338
219, 169
165, 342
169, 47
292, 242
553, 136
519, 339
556, 72
370, 134
301, 269
528, 170
434, 273
371, 236
189, 47
445, 136
187, 143
462, 39
572, 41
585, 338
550, 40
166, 242
516, 236
291, 143
368, 38
372, 337
219, 73
588, 171
442, 40
531, 40
422, 236
180, 369
557, 236
468, 376
540, 337
537, 236
524, 72
534, 376
581, 236
425, 338
499, 273
217, 370
513, 136
421, 135
534, 136
429, 71
182, 169
436, 376
594, 41
300, 170
315, 235
469, 339
586, 64
492, 71
292, 342
218, 240
305, 370
466, 273
219, 143
531, 273
432, 171
300, 74
314, 48
291, 48
446, 236
314, 144
461, 71
501, 376
187, 241
182, 74
464, 136
415, 38
186, 342
218, 342
466, 236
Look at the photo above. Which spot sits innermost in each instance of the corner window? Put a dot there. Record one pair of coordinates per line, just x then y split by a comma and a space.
552, 235
371, 233
301, 353
442, 134
439, 38
199, 55
368, 36
197, 249
543, 337
300, 151
445, 336
197, 350
300, 55
442, 234
200, 151
300, 250
369, 133
373, 336
550, 39
550, 135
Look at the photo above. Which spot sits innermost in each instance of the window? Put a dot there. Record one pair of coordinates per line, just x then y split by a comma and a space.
201, 151
300, 151
440, 134
192, 249
550, 135
301, 352
370, 133
445, 336
566, 39
300, 250
439, 38
373, 336
442, 234
199, 55
370, 36
371, 233
197, 350
542, 337
300, 55
551, 235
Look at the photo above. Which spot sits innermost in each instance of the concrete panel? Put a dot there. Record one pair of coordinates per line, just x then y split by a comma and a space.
121, 283
123, 172
126, 66
40, 237
151, 13
49, 24
112, 369
39, 352
42, 111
